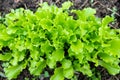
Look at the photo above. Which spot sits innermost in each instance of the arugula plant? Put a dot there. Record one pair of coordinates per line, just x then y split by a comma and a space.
51, 35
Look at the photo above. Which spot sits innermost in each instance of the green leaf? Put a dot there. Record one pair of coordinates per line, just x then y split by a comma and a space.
58, 74
46, 47
4, 36
107, 58
68, 73
13, 71
46, 74
84, 68
51, 62
112, 69
77, 47
89, 12
5, 57
37, 67
58, 54
17, 57
73, 38
66, 63
80, 57
34, 54
45, 5
114, 49
67, 5
89, 47
46, 24
106, 21
11, 30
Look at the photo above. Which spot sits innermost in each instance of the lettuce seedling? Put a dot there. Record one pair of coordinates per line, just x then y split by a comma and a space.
51, 35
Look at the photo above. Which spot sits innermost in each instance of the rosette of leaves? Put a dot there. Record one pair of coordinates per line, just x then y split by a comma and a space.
51, 35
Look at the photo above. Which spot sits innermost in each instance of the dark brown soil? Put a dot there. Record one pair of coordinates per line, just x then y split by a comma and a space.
103, 7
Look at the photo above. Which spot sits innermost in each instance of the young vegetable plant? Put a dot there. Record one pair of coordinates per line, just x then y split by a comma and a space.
51, 36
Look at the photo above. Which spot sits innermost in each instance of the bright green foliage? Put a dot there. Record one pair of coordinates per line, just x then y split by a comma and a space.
58, 74
13, 71
51, 36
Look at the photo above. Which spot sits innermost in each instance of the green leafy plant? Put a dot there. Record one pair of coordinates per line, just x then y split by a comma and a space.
51, 36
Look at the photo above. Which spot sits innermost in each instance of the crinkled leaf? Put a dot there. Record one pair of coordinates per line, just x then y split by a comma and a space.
77, 47
46, 47
106, 20
114, 48
51, 63
80, 57
112, 69
4, 36
13, 71
11, 30
37, 68
68, 73
66, 63
107, 58
5, 57
46, 24
85, 68
73, 38
17, 57
35, 54
66, 5
58, 74
58, 54
89, 12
